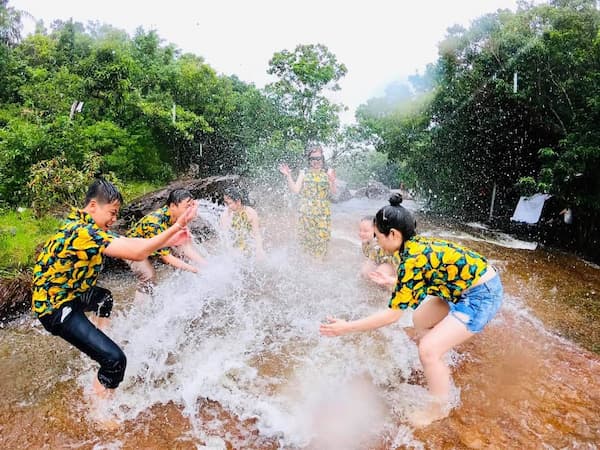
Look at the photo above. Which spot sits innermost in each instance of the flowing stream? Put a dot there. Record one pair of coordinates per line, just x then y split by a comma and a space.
232, 358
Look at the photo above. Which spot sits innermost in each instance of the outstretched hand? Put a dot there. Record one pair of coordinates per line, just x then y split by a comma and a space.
382, 279
182, 237
188, 215
285, 169
333, 327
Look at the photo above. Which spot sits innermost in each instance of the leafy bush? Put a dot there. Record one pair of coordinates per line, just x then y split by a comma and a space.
54, 184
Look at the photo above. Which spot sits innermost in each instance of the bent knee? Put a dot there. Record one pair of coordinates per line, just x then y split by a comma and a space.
428, 352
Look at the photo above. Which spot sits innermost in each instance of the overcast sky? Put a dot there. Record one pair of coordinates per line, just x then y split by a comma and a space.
379, 41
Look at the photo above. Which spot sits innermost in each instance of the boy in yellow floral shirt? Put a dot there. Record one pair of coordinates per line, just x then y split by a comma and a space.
156, 222
66, 270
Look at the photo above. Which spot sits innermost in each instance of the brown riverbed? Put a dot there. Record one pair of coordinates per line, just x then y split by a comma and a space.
531, 380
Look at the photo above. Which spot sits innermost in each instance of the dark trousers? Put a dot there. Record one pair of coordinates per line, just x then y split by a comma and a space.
70, 323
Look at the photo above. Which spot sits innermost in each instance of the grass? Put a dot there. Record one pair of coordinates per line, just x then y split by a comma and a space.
131, 191
21, 232
20, 235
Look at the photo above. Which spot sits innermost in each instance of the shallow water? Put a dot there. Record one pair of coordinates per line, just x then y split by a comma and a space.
233, 359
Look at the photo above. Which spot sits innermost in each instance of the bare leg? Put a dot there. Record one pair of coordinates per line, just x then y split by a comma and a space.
433, 346
428, 315
102, 394
100, 322
145, 275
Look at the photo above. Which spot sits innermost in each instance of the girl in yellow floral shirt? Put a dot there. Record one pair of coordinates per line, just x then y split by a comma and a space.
466, 291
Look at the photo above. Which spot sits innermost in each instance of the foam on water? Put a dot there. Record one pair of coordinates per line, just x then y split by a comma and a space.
245, 334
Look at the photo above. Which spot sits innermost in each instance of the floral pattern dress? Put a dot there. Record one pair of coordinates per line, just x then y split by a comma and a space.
315, 214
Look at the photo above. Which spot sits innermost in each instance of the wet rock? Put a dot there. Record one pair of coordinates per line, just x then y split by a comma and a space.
377, 190
210, 188
374, 189
342, 192
15, 296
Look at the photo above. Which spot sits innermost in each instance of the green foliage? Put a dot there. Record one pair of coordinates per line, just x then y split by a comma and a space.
358, 168
133, 190
20, 234
56, 185
303, 77
473, 133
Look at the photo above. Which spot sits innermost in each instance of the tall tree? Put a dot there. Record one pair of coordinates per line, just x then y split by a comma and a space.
304, 78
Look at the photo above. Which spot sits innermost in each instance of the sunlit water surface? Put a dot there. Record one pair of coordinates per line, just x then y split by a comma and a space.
232, 358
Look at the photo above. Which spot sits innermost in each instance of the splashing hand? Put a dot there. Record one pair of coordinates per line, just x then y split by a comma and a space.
182, 237
382, 279
333, 327
188, 215
285, 169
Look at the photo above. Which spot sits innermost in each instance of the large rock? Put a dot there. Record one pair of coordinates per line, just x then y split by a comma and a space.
374, 189
342, 193
210, 188
15, 296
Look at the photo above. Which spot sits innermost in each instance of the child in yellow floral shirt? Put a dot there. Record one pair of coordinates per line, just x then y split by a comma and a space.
377, 260
66, 270
180, 256
466, 294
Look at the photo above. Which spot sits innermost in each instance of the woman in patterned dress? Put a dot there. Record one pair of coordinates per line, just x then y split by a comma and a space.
466, 294
315, 187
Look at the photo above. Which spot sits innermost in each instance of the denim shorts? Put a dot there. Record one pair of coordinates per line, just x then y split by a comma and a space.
479, 304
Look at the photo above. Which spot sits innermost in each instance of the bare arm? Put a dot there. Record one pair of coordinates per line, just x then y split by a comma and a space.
178, 263
338, 327
331, 178
138, 249
294, 186
253, 216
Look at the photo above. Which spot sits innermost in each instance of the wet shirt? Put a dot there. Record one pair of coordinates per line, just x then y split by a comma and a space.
241, 231
375, 253
151, 225
434, 267
69, 263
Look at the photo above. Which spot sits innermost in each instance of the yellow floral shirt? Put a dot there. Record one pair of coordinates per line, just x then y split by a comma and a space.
151, 225
375, 253
435, 267
69, 263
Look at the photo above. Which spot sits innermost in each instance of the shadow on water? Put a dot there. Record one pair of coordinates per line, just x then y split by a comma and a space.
232, 359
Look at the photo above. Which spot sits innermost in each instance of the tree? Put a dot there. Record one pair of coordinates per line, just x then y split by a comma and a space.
304, 76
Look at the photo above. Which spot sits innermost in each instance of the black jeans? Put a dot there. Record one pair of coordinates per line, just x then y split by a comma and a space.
70, 323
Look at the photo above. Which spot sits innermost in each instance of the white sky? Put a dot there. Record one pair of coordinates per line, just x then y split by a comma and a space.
379, 41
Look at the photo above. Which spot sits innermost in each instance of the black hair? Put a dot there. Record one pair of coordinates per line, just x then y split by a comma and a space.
235, 194
176, 196
104, 192
396, 216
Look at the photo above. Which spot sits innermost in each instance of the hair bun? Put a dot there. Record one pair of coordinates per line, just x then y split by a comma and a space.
396, 199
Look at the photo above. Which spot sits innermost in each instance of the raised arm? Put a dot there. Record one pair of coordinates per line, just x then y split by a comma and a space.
294, 186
